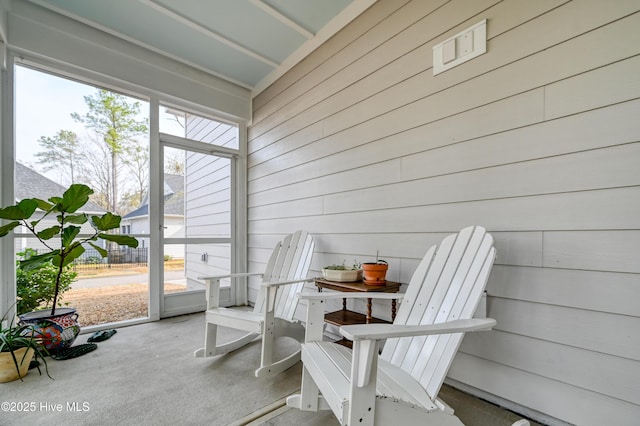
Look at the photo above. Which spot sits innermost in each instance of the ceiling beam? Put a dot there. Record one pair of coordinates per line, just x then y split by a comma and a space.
206, 31
336, 24
282, 18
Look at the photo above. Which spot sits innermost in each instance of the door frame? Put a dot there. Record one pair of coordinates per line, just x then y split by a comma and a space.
162, 305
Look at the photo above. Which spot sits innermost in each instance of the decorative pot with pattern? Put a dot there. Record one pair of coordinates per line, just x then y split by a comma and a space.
58, 331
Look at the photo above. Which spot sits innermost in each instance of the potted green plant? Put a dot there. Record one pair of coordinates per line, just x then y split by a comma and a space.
375, 272
58, 327
342, 273
19, 344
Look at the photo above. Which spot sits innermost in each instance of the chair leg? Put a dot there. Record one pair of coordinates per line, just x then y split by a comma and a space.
362, 396
210, 335
279, 329
309, 393
309, 398
266, 352
294, 401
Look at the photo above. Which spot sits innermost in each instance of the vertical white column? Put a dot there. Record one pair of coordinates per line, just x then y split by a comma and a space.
239, 237
7, 196
156, 248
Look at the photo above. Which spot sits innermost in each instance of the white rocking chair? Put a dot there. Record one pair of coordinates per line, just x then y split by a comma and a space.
273, 313
401, 385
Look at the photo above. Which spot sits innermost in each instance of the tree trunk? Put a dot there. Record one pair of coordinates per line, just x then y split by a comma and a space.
114, 181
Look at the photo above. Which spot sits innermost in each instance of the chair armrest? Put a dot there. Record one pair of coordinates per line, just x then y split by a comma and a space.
271, 289
280, 283
212, 286
242, 274
317, 295
384, 331
365, 340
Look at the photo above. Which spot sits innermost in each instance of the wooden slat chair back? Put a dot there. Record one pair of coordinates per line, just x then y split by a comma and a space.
273, 315
290, 260
447, 285
401, 385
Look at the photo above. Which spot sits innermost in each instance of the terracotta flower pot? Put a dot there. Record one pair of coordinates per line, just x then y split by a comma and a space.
375, 273
8, 371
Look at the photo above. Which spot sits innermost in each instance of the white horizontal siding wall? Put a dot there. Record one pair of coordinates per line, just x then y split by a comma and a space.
538, 140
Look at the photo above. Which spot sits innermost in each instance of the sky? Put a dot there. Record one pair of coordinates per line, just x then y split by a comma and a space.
44, 104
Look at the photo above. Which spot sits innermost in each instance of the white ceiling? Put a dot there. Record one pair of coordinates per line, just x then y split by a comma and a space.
248, 42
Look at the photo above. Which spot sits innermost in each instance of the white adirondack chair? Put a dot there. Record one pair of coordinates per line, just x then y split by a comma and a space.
401, 385
273, 313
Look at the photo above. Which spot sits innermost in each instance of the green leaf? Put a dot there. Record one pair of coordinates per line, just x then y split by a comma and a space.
55, 200
34, 262
49, 233
106, 221
75, 253
73, 198
12, 213
23, 210
5, 229
78, 219
68, 234
123, 240
100, 250
43, 205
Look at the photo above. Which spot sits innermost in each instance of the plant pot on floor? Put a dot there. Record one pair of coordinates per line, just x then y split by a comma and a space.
19, 344
8, 372
57, 331
375, 273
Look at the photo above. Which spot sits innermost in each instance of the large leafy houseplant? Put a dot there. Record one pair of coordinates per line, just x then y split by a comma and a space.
63, 240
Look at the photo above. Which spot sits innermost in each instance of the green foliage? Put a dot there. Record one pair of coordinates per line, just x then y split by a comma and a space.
69, 244
114, 119
36, 287
91, 260
61, 151
343, 267
336, 267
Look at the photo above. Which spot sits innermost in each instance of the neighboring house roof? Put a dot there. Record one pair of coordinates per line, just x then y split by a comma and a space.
31, 184
173, 198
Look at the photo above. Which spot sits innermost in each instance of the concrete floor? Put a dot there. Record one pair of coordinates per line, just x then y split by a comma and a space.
147, 375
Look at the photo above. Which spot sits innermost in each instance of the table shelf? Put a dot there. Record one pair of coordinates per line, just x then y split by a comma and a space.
345, 316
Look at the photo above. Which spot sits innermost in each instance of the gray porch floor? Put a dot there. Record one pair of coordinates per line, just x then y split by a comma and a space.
147, 375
